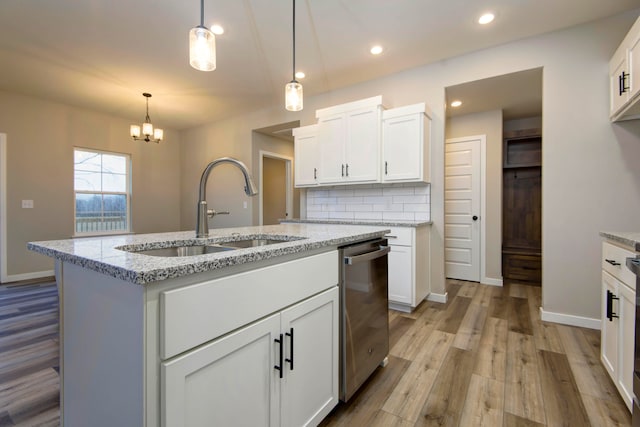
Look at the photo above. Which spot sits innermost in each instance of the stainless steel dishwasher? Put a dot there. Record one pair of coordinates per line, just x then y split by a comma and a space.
364, 315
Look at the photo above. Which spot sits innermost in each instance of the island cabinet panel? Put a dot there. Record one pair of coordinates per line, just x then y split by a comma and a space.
102, 342
193, 315
279, 371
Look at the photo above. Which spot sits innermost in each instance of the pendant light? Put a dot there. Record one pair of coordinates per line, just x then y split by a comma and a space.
147, 128
202, 46
293, 89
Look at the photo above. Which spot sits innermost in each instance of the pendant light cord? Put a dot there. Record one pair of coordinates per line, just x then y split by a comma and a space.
147, 119
202, 13
294, 40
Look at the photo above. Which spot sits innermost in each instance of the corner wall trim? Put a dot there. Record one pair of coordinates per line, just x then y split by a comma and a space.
3, 208
442, 298
569, 319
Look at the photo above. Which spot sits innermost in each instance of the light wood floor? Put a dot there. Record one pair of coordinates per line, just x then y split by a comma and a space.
482, 359
486, 359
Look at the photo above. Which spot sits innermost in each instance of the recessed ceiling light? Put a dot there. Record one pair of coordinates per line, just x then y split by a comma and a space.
376, 50
456, 103
217, 29
486, 18
300, 75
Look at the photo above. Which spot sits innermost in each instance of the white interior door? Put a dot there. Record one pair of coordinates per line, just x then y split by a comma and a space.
462, 208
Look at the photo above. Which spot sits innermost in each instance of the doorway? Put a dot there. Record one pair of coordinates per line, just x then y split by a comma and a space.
464, 207
276, 188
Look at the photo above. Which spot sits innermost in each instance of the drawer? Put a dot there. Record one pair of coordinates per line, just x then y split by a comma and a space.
613, 261
401, 236
199, 313
525, 267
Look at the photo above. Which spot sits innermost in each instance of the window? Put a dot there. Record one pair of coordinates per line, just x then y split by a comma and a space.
102, 183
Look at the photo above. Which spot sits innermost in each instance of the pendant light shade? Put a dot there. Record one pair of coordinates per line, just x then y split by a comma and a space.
202, 46
293, 96
293, 89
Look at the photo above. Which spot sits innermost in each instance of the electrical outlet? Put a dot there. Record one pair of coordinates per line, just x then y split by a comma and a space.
244, 205
27, 204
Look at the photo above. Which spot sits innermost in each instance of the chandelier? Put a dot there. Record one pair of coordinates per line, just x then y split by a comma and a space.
147, 128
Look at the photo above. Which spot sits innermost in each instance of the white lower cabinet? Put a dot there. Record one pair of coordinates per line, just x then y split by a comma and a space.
408, 267
279, 371
618, 319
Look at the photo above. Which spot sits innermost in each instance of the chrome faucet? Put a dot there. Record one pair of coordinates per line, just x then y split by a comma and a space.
202, 224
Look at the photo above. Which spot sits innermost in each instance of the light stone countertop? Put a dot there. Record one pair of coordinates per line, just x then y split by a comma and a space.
109, 255
382, 223
626, 238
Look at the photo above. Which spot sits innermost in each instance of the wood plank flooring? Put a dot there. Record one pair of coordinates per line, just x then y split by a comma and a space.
483, 359
29, 381
486, 359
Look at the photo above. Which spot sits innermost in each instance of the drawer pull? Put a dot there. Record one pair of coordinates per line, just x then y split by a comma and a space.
276, 367
610, 298
391, 236
612, 261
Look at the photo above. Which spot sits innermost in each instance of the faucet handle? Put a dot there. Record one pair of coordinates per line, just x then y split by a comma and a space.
211, 213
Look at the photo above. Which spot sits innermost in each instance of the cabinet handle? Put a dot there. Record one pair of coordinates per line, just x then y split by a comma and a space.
343, 170
290, 359
612, 261
610, 313
347, 169
280, 343
386, 172
622, 83
315, 173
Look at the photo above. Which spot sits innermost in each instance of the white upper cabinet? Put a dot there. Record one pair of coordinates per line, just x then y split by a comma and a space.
306, 156
624, 77
349, 142
406, 133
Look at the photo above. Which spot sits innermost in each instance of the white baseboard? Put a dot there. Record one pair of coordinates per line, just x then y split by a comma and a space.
491, 281
442, 298
405, 308
27, 276
569, 319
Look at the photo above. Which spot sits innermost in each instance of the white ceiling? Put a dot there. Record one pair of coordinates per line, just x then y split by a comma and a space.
102, 54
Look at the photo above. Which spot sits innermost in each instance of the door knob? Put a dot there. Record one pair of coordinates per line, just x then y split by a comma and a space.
475, 217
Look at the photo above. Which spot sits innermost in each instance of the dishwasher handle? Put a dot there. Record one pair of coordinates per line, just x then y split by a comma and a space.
368, 256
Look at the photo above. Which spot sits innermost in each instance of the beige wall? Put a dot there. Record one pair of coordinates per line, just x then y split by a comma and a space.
487, 123
41, 136
584, 155
281, 147
273, 190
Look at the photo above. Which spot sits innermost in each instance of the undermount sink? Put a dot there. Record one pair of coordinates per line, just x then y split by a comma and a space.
251, 243
212, 248
180, 251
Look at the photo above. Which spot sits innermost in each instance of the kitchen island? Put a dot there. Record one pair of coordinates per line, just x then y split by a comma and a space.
203, 339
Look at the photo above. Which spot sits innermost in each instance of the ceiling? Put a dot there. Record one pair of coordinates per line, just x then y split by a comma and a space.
518, 95
102, 54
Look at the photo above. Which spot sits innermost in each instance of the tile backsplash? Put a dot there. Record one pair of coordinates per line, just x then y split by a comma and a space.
411, 202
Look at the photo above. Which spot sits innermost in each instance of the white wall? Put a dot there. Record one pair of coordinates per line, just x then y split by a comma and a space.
41, 136
591, 170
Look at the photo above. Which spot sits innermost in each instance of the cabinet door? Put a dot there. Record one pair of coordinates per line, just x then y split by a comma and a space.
402, 142
331, 140
401, 275
310, 388
306, 156
228, 382
626, 339
618, 94
609, 332
362, 149
634, 64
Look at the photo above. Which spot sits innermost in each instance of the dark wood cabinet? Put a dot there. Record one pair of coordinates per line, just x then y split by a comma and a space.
522, 208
